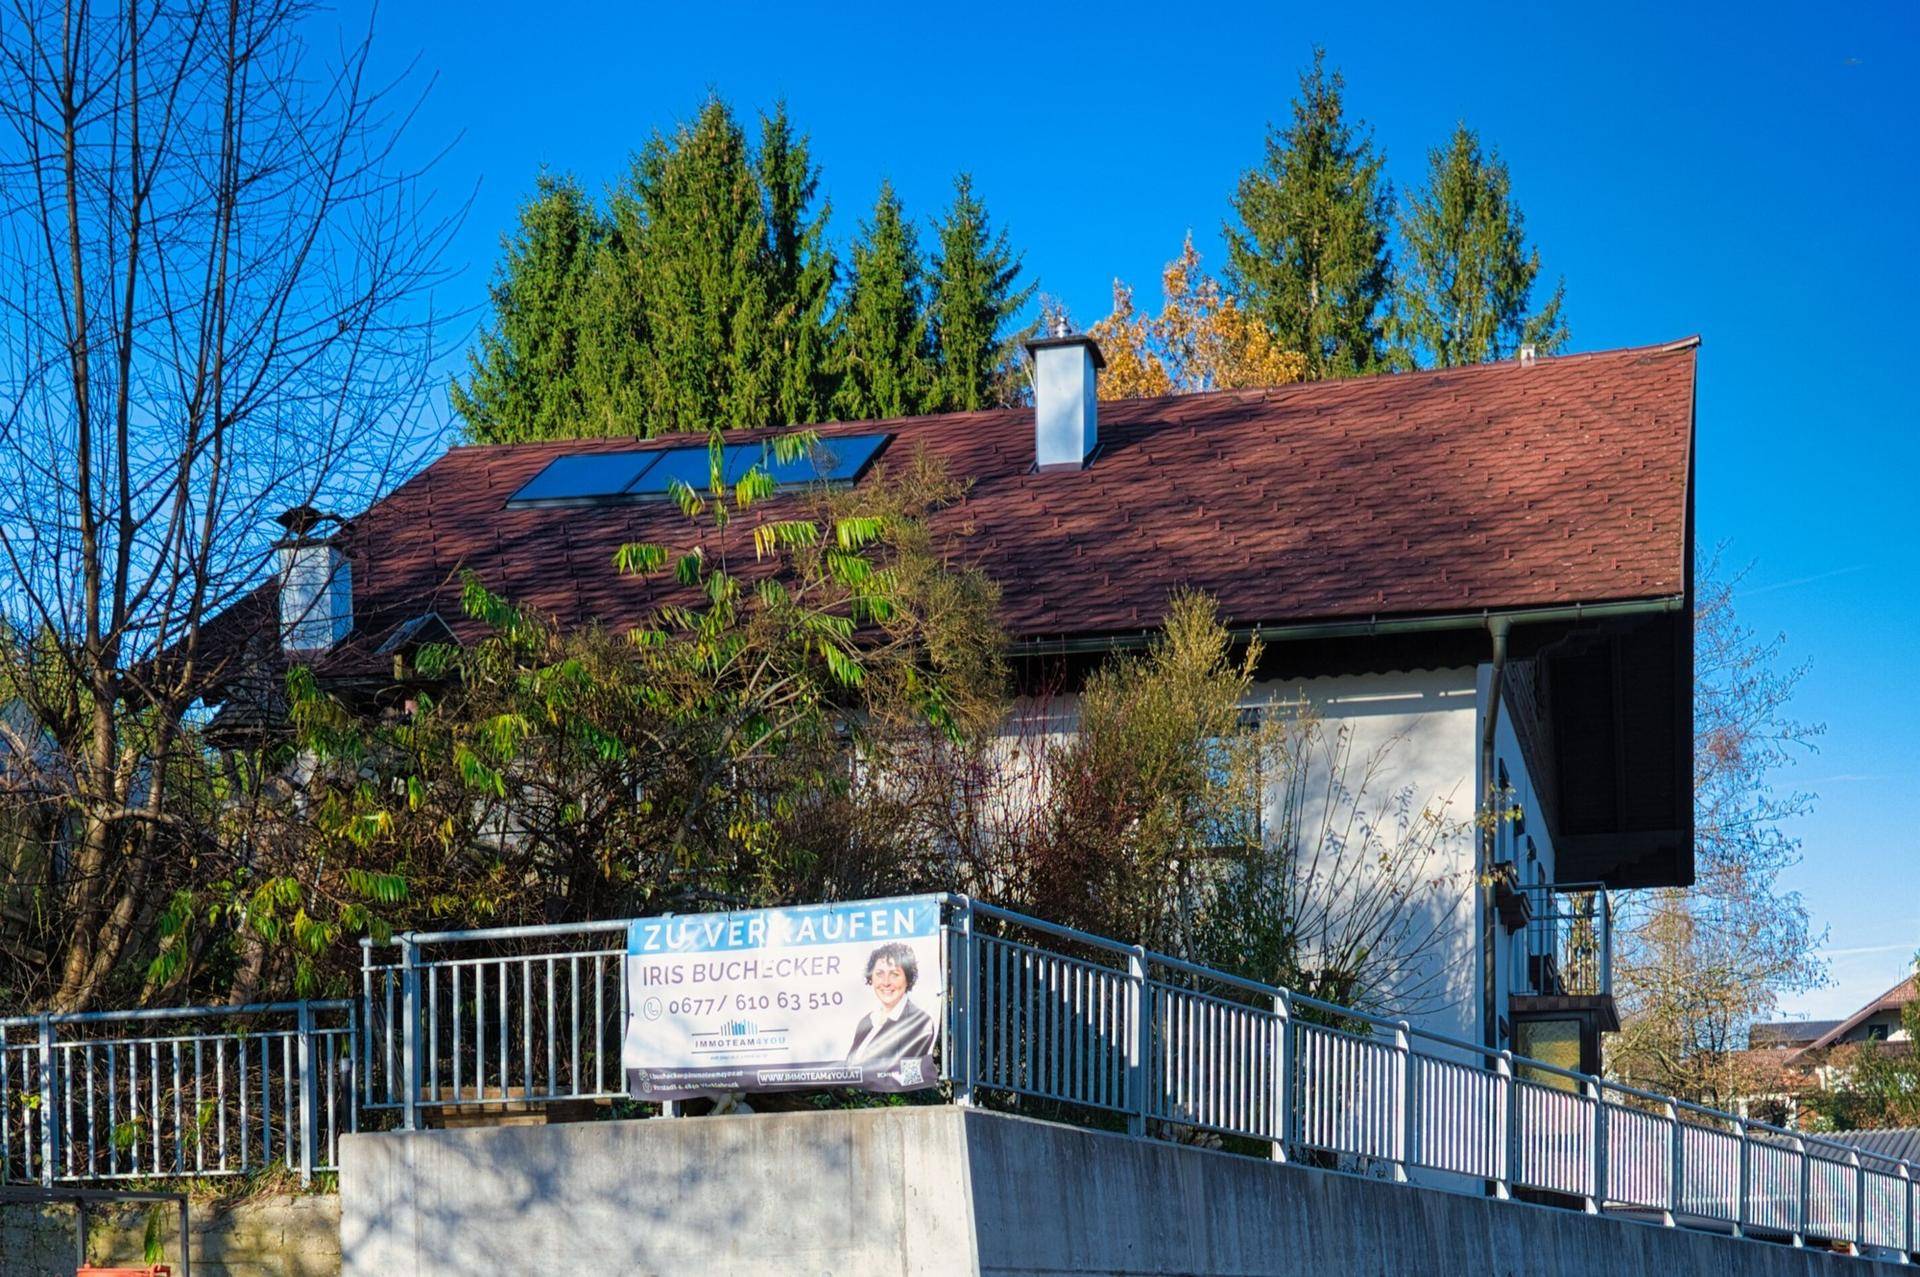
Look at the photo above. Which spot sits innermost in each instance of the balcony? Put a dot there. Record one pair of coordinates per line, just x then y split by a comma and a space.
1566, 947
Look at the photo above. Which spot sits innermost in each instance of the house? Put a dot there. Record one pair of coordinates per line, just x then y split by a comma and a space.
1881, 1020
1786, 1060
1486, 571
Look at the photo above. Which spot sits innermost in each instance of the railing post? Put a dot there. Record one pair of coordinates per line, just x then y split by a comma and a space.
49, 1105
1676, 1150
1282, 1076
1597, 1178
966, 1010
363, 1041
1906, 1214
1606, 944
356, 1030
1139, 1050
1509, 1107
1404, 1123
1800, 1229
1859, 1201
1745, 1182
304, 1045
409, 1033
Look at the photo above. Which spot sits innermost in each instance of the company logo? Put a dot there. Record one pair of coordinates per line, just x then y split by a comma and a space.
739, 1035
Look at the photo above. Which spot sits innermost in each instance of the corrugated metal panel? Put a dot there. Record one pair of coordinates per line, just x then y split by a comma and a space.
1903, 1143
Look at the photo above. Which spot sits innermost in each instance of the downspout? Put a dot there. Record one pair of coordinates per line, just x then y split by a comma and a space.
1497, 628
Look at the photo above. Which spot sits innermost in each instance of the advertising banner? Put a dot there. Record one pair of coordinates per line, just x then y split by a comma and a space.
785, 999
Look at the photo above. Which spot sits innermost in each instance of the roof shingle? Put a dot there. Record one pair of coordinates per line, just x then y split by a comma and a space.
1486, 488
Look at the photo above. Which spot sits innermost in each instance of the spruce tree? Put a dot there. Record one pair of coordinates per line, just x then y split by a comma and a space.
525, 380
800, 275
885, 356
691, 227
1468, 275
973, 297
1308, 252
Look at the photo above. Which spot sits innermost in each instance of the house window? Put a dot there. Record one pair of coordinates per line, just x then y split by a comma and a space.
1235, 764
1555, 1042
1878, 1032
1505, 830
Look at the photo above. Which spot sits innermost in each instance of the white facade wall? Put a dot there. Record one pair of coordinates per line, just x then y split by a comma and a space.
1413, 737
1407, 746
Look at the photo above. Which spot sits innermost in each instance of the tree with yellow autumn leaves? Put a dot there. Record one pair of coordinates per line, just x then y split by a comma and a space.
1202, 339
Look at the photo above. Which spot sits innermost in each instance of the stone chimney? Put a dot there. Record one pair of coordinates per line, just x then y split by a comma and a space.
1066, 369
316, 584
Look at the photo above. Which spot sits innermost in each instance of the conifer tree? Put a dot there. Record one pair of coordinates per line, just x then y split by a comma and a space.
973, 297
1467, 279
800, 275
525, 380
1308, 249
886, 354
691, 227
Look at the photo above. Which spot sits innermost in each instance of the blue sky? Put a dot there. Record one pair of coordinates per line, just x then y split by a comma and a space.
1749, 173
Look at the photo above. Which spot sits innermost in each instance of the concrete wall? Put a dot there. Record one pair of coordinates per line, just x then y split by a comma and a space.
266, 1236
936, 1191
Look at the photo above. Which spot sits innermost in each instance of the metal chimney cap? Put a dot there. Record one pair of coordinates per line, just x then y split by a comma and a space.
302, 520
1071, 339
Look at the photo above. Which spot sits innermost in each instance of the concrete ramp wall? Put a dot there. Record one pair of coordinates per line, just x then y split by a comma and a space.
921, 1192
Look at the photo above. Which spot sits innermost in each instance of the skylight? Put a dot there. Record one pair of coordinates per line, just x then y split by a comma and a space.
597, 478
585, 476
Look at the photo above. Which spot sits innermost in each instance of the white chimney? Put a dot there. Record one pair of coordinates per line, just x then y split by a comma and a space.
1065, 411
316, 586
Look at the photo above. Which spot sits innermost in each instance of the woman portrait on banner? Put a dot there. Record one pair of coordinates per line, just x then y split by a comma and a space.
895, 1029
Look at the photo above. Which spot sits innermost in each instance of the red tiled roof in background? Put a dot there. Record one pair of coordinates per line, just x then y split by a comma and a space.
1493, 487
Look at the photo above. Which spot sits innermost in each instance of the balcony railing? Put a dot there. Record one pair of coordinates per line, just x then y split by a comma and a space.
1566, 947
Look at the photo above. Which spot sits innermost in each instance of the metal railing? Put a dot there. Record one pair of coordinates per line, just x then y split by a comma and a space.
1080, 1022
496, 1017
1057, 1022
1567, 945
195, 1091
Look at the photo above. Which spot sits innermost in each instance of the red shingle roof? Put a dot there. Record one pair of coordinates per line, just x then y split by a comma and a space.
1493, 487
1894, 999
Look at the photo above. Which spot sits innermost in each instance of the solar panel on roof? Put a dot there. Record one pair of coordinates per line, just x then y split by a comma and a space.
612, 476
694, 467
583, 476
836, 460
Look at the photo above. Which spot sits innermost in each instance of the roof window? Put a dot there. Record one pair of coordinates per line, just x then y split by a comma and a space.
606, 478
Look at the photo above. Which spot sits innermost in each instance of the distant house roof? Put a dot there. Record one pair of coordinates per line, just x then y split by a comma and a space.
1778, 1033
1892, 1000
1560, 488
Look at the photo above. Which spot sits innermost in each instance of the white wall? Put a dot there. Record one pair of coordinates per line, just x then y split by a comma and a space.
1405, 746
1411, 742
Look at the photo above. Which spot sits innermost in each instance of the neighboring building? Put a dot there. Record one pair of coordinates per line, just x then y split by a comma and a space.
1880, 1020
1787, 1060
1488, 570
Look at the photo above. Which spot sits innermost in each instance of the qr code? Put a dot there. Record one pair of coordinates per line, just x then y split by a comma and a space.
910, 1073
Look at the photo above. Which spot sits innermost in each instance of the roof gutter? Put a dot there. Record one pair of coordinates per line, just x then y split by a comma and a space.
1374, 626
